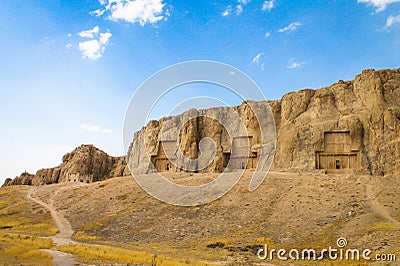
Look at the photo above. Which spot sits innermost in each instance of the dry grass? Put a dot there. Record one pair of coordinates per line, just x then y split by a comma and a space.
382, 226
98, 223
22, 249
23, 226
21, 216
81, 235
103, 254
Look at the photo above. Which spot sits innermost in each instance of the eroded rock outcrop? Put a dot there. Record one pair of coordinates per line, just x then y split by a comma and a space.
352, 125
85, 164
24, 179
174, 143
367, 108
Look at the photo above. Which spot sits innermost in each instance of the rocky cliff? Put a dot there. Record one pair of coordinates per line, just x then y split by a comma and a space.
202, 140
350, 124
85, 164
24, 179
367, 107
353, 125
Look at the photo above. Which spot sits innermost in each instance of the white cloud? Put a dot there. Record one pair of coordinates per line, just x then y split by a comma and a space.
256, 59
98, 12
107, 130
133, 11
239, 9
291, 27
379, 5
267, 34
268, 5
104, 37
89, 33
293, 64
227, 11
93, 49
95, 129
392, 20
69, 35
90, 49
68, 46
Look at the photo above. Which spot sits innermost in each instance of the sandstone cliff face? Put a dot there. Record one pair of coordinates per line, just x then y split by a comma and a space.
366, 109
24, 179
184, 138
85, 164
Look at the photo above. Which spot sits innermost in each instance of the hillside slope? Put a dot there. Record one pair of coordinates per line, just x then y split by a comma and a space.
287, 211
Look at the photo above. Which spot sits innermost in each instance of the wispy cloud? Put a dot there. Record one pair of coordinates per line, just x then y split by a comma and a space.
267, 34
89, 33
93, 49
238, 9
68, 46
379, 5
392, 20
227, 11
95, 129
291, 27
133, 11
257, 60
294, 64
268, 5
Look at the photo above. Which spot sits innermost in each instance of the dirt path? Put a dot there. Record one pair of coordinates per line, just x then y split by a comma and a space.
62, 237
374, 204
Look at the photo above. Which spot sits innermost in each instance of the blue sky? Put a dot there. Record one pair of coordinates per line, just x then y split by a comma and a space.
69, 68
